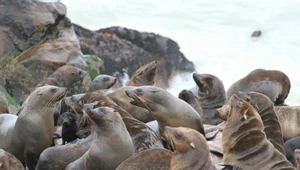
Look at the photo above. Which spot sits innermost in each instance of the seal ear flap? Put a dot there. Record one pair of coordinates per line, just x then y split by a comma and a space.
40, 93
192, 145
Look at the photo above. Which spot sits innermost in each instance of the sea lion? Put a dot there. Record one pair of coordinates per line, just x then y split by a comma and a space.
211, 95
272, 83
69, 127
265, 108
297, 157
111, 143
121, 99
3, 104
167, 109
290, 146
289, 120
189, 97
145, 75
142, 136
9, 162
190, 149
148, 160
102, 81
33, 129
244, 143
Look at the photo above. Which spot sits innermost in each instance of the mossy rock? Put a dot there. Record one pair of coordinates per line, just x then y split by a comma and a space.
94, 65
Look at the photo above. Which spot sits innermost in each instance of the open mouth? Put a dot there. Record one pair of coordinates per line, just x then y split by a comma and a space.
135, 99
110, 85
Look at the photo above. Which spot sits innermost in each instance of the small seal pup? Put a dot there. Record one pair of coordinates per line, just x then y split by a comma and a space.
167, 109
121, 99
289, 120
189, 97
190, 149
9, 162
102, 81
272, 83
211, 95
244, 143
290, 146
111, 143
145, 75
69, 127
33, 129
265, 108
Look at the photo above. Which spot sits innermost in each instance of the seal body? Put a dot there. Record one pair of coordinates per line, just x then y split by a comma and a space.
145, 75
111, 143
167, 109
102, 81
272, 83
290, 146
33, 129
9, 162
211, 95
69, 127
244, 143
289, 120
190, 149
265, 108
189, 97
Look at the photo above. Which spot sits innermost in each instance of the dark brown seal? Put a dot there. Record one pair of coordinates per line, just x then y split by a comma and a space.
289, 120
121, 99
189, 97
9, 162
265, 108
111, 143
145, 75
3, 104
244, 143
32, 132
148, 160
69, 127
290, 146
64, 76
272, 83
211, 95
102, 81
167, 109
190, 149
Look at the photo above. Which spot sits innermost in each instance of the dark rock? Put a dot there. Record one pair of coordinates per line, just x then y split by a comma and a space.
123, 50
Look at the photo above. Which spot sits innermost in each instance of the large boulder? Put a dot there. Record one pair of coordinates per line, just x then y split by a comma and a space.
125, 50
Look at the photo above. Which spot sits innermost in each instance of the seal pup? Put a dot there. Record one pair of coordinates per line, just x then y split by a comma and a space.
244, 143
148, 160
121, 99
290, 146
297, 157
145, 75
272, 83
289, 120
107, 128
102, 81
69, 127
167, 109
33, 129
190, 149
9, 162
189, 97
265, 108
3, 104
211, 95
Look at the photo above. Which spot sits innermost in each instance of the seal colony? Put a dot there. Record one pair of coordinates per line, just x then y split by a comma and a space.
142, 126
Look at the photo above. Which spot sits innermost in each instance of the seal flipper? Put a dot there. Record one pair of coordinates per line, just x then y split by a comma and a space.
216, 151
230, 167
31, 160
211, 135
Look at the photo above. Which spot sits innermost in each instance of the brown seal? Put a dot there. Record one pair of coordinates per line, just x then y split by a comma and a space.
148, 160
102, 81
244, 142
111, 143
211, 95
167, 109
190, 149
189, 97
289, 120
142, 136
9, 162
272, 83
3, 104
297, 157
265, 108
145, 75
32, 132
121, 99
64, 76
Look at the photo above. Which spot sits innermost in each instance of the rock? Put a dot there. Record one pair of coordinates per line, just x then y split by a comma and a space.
124, 50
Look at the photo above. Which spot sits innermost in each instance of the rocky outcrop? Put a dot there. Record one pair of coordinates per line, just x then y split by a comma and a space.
123, 50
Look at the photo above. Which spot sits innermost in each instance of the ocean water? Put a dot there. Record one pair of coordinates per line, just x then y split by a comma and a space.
215, 35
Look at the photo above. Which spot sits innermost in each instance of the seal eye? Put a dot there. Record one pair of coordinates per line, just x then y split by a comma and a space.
73, 73
53, 90
247, 99
177, 135
139, 90
79, 72
105, 79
